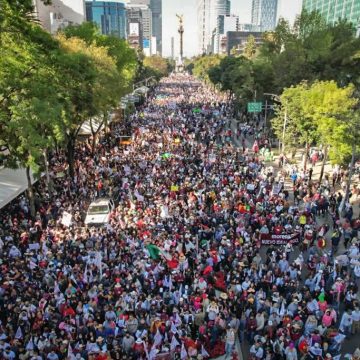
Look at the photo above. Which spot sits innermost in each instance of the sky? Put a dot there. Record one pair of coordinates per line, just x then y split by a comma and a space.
286, 8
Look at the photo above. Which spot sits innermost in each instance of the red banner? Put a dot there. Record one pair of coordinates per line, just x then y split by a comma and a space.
280, 239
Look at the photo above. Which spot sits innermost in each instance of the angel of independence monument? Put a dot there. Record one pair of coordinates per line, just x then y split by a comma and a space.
179, 61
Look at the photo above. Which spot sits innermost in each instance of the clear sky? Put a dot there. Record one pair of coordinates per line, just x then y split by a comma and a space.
286, 8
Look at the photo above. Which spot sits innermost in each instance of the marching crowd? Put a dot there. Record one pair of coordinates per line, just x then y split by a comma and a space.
198, 255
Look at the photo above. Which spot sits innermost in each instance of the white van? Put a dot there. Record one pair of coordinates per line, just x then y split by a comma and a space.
99, 211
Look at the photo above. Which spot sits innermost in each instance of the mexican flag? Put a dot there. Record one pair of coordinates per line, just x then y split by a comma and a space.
154, 251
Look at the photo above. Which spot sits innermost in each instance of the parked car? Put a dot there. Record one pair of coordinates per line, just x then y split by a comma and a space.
99, 212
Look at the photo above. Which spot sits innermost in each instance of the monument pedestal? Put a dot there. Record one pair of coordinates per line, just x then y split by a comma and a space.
179, 67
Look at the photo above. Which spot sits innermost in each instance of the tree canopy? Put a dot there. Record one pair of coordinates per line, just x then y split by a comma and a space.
49, 86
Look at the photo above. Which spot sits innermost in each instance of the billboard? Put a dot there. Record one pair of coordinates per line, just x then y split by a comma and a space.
134, 29
146, 44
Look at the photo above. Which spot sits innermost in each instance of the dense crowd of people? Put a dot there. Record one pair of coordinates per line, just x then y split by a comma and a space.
200, 254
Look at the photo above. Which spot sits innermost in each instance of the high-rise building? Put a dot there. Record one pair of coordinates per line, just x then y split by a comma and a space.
208, 12
248, 27
236, 40
333, 10
264, 13
138, 11
135, 27
225, 23
59, 14
110, 16
156, 10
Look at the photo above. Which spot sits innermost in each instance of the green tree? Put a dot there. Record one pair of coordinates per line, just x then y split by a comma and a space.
235, 75
336, 111
311, 50
76, 82
250, 48
115, 63
124, 56
308, 23
29, 106
300, 129
159, 65
320, 113
203, 64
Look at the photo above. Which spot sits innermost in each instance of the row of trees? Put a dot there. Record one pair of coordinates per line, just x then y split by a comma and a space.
310, 50
320, 113
49, 86
315, 67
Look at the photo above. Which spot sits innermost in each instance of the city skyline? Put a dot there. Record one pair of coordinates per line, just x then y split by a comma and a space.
286, 8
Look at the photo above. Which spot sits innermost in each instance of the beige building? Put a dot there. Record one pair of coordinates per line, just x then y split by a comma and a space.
60, 13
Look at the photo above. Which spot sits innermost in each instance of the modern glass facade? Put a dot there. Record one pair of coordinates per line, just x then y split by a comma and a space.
156, 10
208, 12
264, 13
109, 16
333, 10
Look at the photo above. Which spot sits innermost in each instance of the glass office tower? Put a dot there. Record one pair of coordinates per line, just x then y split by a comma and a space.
156, 10
264, 13
333, 10
109, 16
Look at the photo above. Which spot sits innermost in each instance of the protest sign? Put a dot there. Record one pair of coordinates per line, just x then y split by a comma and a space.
280, 239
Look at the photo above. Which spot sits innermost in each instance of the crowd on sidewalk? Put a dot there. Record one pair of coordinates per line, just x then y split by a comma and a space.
197, 255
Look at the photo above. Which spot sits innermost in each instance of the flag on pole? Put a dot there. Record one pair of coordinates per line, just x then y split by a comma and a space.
204, 353
170, 283
146, 350
70, 353
72, 278
157, 338
56, 288
18, 334
178, 319
334, 273
32, 265
173, 328
153, 353
174, 343
282, 309
30, 345
154, 251
183, 353
85, 276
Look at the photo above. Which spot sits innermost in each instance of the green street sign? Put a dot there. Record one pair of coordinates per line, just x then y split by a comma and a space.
253, 107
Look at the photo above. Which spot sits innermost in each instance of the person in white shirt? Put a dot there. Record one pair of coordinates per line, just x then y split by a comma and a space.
230, 341
355, 316
346, 322
290, 352
257, 350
